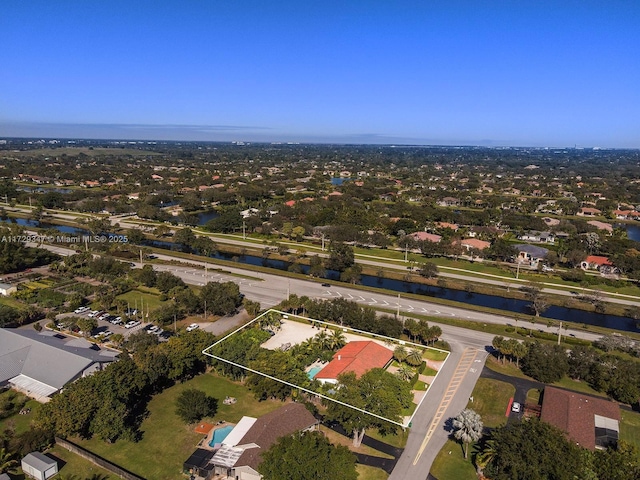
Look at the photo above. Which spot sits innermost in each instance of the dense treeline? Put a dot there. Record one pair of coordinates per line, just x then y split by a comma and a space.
609, 373
534, 449
111, 403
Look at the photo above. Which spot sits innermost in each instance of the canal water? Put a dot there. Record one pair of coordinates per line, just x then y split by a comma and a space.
491, 301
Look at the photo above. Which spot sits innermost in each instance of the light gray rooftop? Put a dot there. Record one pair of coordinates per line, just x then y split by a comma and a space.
39, 461
43, 358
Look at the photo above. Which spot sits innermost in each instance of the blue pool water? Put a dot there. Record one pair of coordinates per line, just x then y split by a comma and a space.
313, 372
220, 434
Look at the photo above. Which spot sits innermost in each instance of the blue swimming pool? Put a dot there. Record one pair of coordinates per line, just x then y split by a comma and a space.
220, 434
313, 372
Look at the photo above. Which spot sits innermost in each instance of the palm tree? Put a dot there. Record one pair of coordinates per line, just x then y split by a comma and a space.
405, 373
414, 358
7, 462
467, 428
486, 454
323, 340
337, 340
400, 353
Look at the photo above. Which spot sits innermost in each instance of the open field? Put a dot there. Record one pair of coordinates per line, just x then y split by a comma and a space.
136, 298
490, 401
630, 428
450, 463
370, 473
167, 442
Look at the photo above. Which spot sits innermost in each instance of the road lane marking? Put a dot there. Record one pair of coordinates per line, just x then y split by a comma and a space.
468, 355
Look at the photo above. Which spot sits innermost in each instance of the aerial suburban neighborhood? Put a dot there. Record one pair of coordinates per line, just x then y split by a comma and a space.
246, 311
286, 240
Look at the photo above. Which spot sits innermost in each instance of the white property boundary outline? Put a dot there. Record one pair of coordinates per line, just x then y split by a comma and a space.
344, 329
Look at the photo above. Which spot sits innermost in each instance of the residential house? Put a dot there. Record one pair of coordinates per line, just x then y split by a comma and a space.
588, 212
424, 236
449, 202
598, 262
591, 422
538, 237
358, 357
474, 244
530, 254
241, 451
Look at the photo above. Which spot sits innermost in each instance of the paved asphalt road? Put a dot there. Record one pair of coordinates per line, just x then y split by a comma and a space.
448, 394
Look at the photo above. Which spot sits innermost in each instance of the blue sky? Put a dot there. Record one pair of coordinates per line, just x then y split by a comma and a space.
436, 72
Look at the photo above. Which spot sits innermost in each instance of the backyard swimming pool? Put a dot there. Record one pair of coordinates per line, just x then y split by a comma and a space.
313, 372
219, 434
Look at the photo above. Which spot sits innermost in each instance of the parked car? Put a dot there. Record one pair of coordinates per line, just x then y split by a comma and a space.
326, 284
515, 408
131, 324
192, 327
93, 313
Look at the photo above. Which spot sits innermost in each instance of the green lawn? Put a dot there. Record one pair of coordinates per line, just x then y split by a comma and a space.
21, 423
533, 396
507, 368
398, 440
630, 427
578, 387
435, 355
370, 473
12, 302
451, 465
490, 400
138, 297
77, 466
167, 442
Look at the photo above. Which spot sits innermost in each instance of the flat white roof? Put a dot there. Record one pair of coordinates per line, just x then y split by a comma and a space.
239, 431
30, 385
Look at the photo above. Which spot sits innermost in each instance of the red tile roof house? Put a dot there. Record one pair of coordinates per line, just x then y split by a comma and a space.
422, 236
240, 457
474, 243
591, 422
358, 357
595, 262
589, 212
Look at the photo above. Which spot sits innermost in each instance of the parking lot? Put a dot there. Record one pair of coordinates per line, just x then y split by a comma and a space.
109, 324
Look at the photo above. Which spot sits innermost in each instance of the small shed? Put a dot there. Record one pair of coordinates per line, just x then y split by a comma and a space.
7, 289
37, 465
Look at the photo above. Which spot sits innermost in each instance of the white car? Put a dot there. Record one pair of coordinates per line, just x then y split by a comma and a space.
515, 408
93, 313
132, 323
192, 327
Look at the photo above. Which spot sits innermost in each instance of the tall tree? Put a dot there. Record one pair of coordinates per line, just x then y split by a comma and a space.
307, 456
467, 428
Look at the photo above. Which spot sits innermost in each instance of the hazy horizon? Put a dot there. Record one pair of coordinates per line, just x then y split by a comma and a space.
531, 73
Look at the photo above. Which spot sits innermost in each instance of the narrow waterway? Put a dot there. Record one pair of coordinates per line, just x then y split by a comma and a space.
491, 301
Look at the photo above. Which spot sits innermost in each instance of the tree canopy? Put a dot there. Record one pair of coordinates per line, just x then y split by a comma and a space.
307, 456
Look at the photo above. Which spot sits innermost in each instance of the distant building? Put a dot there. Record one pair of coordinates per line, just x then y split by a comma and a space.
7, 289
424, 236
591, 422
595, 262
358, 357
531, 254
589, 212
474, 244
